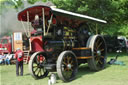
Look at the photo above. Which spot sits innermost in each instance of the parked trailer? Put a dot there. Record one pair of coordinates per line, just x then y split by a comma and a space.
66, 41
9, 44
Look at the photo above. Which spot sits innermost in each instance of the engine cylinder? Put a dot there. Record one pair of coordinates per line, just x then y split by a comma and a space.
60, 45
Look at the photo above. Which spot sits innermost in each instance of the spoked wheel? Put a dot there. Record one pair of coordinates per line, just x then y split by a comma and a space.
67, 66
36, 67
99, 51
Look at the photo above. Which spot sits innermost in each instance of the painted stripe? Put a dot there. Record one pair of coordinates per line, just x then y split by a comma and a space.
84, 57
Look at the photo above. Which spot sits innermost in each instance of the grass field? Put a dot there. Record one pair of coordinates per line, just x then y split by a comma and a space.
111, 75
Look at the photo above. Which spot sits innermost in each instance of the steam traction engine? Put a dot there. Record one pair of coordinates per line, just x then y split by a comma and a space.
67, 42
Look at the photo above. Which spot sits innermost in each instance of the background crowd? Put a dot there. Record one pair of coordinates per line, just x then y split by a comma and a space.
5, 59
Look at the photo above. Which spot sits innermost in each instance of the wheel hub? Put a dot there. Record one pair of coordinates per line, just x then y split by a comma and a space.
69, 66
99, 53
39, 66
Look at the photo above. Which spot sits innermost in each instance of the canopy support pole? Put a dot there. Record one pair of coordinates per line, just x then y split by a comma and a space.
43, 20
28, 24
96, 29
50, 23
24, 28
29, 35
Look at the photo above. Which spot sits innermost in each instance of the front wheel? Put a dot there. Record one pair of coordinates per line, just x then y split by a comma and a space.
36, 67
67, 66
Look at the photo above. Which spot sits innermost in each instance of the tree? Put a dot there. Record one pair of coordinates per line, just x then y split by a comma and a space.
113, 11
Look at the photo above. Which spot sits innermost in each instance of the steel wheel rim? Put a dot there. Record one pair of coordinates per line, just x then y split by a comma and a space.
38, 70
68, 66
99, 52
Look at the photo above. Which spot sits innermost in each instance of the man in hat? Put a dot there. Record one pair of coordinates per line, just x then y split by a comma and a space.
19, 61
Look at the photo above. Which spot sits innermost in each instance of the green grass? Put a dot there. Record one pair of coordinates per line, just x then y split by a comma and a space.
111, 75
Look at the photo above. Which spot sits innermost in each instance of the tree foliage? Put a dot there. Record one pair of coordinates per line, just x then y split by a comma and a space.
115, 12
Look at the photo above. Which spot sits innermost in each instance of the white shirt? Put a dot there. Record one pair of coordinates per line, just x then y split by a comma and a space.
9, 56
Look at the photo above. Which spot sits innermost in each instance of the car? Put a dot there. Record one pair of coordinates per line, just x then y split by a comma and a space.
127, 45
123, 42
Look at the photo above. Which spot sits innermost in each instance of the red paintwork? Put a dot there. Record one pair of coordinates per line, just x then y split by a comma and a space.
7, 45
22, 16
41, 58
37, 10
37, 43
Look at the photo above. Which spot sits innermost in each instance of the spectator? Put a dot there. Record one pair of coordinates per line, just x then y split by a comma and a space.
2, 58
19, 61
8, 58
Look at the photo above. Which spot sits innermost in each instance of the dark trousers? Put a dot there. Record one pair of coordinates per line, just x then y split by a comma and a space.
19, 65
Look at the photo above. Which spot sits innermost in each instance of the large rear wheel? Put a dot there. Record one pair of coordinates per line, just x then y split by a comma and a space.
36, 67
67, 66
99, 51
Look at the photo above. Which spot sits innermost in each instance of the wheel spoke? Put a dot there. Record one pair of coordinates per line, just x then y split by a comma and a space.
72, 65
36, 69
68, 59
96, 62
102, 50
97, 41
39, 71
100, 61
95, 50
99, 45
71, 62
35, 66
102, 56
43, 69
64, 63
64, 59
96, 59
65, 69
71, 69
95, 55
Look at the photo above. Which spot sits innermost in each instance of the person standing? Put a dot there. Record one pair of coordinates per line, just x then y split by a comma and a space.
19, 61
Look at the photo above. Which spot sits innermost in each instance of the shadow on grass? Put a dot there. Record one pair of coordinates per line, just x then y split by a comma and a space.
28, 74
85, 70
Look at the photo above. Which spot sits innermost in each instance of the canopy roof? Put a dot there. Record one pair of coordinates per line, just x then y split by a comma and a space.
32, 11
59, 13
